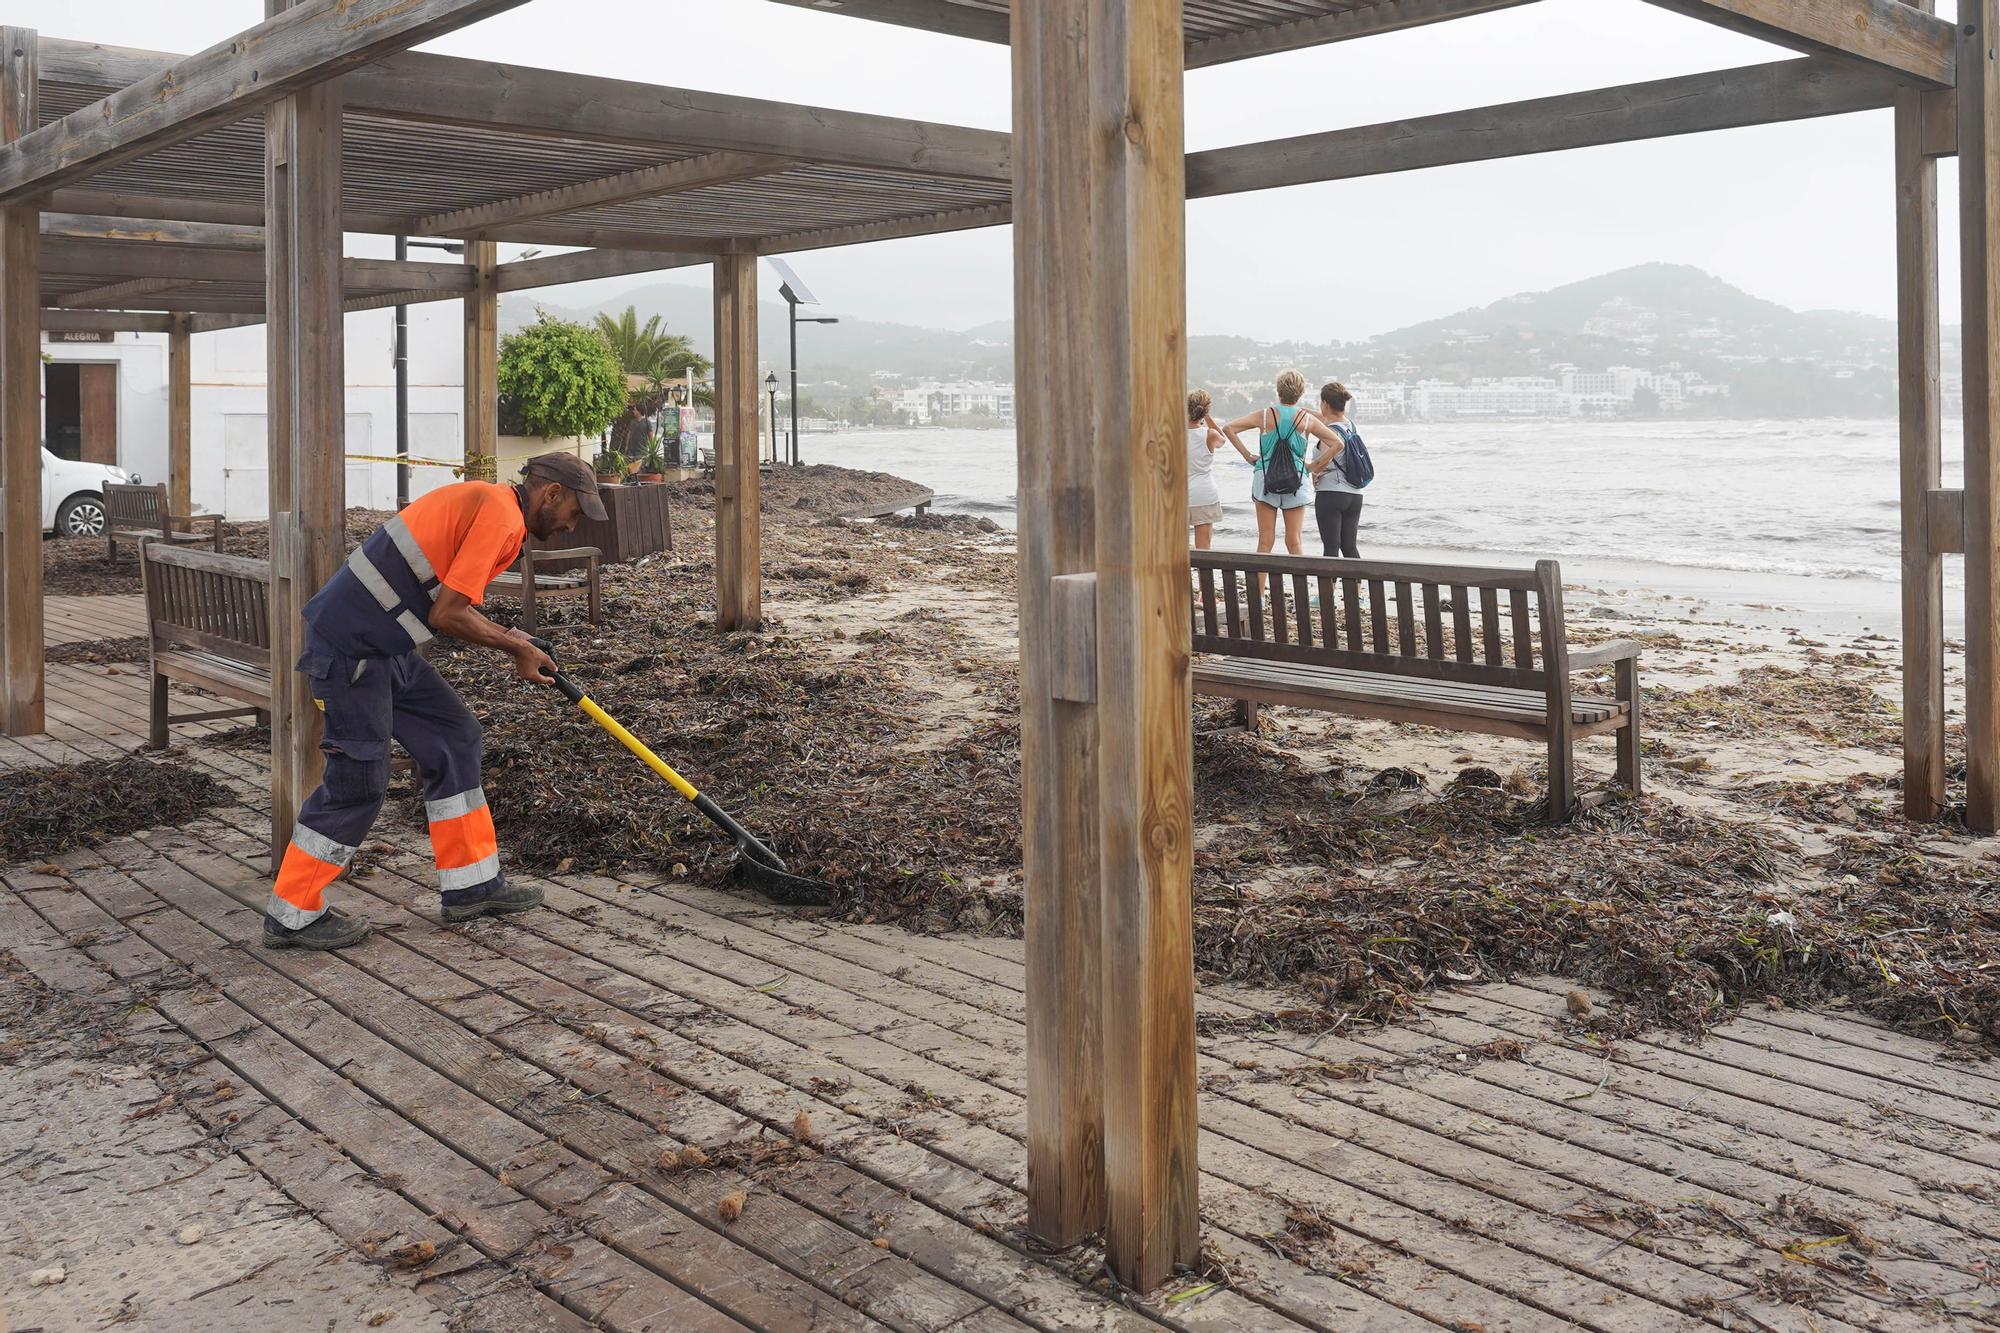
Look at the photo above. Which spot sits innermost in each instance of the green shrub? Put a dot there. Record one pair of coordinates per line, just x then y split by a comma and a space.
559, 379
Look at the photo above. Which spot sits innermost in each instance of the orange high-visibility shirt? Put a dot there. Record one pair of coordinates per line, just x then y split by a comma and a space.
470, 531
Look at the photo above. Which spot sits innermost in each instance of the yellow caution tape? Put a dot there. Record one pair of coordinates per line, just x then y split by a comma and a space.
413, 461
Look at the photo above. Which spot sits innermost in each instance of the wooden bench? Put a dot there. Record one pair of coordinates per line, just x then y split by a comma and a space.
1442, 645
209, 626
528, 584
141, 512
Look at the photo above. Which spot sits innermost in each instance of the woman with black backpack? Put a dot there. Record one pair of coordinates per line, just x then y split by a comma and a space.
1336, 497
1279, 484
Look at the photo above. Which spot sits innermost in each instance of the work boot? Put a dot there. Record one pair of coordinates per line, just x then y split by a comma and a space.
503, 900
332, 929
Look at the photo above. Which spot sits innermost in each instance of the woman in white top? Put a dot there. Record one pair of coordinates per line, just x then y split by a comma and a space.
1204, 437
1336, 503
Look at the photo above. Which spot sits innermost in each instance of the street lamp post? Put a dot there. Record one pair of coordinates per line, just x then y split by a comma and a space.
771, 388
403, 244
796, 294
793, 307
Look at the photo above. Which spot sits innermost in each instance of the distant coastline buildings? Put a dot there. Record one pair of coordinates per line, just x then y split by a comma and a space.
959, 400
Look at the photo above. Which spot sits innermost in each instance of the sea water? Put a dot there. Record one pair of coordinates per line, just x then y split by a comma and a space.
1798, 512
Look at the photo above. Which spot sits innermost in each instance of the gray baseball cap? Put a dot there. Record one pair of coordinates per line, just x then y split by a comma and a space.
570, 471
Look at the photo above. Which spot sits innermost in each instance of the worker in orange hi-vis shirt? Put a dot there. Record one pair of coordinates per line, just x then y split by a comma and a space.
421, 574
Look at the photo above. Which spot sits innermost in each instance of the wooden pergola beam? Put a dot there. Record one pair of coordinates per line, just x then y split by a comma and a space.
1691, 104
293, 49
108, 297
151, 231
583, 265
693, 173
1884, 33
105, 321
1369, 21
557, 104
97, 215
924, 224
192, 264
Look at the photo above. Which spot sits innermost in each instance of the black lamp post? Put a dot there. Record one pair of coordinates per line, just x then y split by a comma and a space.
793, 307
403, 244
771, 388
796, 294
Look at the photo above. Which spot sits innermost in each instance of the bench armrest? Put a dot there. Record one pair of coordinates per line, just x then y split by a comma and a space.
570, 553
1604, 654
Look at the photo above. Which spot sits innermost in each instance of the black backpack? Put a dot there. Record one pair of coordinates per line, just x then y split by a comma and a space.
1281, 473
1353, 461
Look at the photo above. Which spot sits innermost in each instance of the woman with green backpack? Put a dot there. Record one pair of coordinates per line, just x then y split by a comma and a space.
1279, 483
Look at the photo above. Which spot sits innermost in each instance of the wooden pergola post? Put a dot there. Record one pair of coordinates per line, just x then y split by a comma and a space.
1919, 413
1058, 554
1145, 730
482, 349
180, 414
739, 585
20, 407
1979, 237
307, 410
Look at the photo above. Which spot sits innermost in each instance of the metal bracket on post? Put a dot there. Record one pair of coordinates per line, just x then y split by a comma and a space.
1073, 637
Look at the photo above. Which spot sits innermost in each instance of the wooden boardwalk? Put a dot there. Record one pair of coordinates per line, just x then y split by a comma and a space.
526, 1096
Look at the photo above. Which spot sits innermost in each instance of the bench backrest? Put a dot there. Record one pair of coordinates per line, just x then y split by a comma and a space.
135, 506
213, 603
1438, 622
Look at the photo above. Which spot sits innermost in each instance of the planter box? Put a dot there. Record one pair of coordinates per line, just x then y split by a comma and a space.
636, 523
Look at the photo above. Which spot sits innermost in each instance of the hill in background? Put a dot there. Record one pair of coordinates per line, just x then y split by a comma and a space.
1777, 361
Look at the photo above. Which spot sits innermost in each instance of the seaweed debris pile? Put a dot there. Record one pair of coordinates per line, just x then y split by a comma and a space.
1369, 892
806, 735
47, 811
870, 733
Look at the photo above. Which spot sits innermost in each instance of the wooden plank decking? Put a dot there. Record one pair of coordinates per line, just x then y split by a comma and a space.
509, 1093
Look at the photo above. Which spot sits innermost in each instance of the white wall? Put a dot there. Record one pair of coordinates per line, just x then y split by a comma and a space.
228, 426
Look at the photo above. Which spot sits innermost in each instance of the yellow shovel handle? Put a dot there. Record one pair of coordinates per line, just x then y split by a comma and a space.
637, 746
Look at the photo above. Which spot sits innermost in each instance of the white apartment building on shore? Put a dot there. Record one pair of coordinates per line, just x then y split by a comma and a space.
966, 398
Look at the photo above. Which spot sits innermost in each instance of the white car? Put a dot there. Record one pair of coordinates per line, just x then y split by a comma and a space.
73, 495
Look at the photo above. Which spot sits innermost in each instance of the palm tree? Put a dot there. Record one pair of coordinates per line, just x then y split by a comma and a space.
648, 349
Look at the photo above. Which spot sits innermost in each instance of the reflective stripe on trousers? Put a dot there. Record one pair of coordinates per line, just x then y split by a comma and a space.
312, 862
463, 840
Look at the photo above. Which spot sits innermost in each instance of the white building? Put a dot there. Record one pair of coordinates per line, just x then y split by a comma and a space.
105, 399
929, 402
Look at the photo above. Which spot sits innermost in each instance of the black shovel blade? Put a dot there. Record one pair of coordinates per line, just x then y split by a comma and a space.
782, 886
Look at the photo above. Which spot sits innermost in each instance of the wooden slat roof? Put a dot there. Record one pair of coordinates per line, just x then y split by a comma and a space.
1216, 30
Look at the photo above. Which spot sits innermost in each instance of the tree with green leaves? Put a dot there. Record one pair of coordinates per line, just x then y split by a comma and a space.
557, 380
649, 349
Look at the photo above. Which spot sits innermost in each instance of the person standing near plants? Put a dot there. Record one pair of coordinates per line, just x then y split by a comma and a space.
637, 445
421, 574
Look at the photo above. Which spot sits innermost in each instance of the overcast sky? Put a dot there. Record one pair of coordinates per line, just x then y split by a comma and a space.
1801, 214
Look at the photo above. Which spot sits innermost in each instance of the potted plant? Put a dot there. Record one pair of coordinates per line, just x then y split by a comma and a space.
559, 383
653, 467
610, 466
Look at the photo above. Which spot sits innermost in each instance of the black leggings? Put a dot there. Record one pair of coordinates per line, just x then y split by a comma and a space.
1339, 515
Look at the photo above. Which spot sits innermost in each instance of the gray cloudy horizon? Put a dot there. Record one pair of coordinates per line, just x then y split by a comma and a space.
1801, 214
